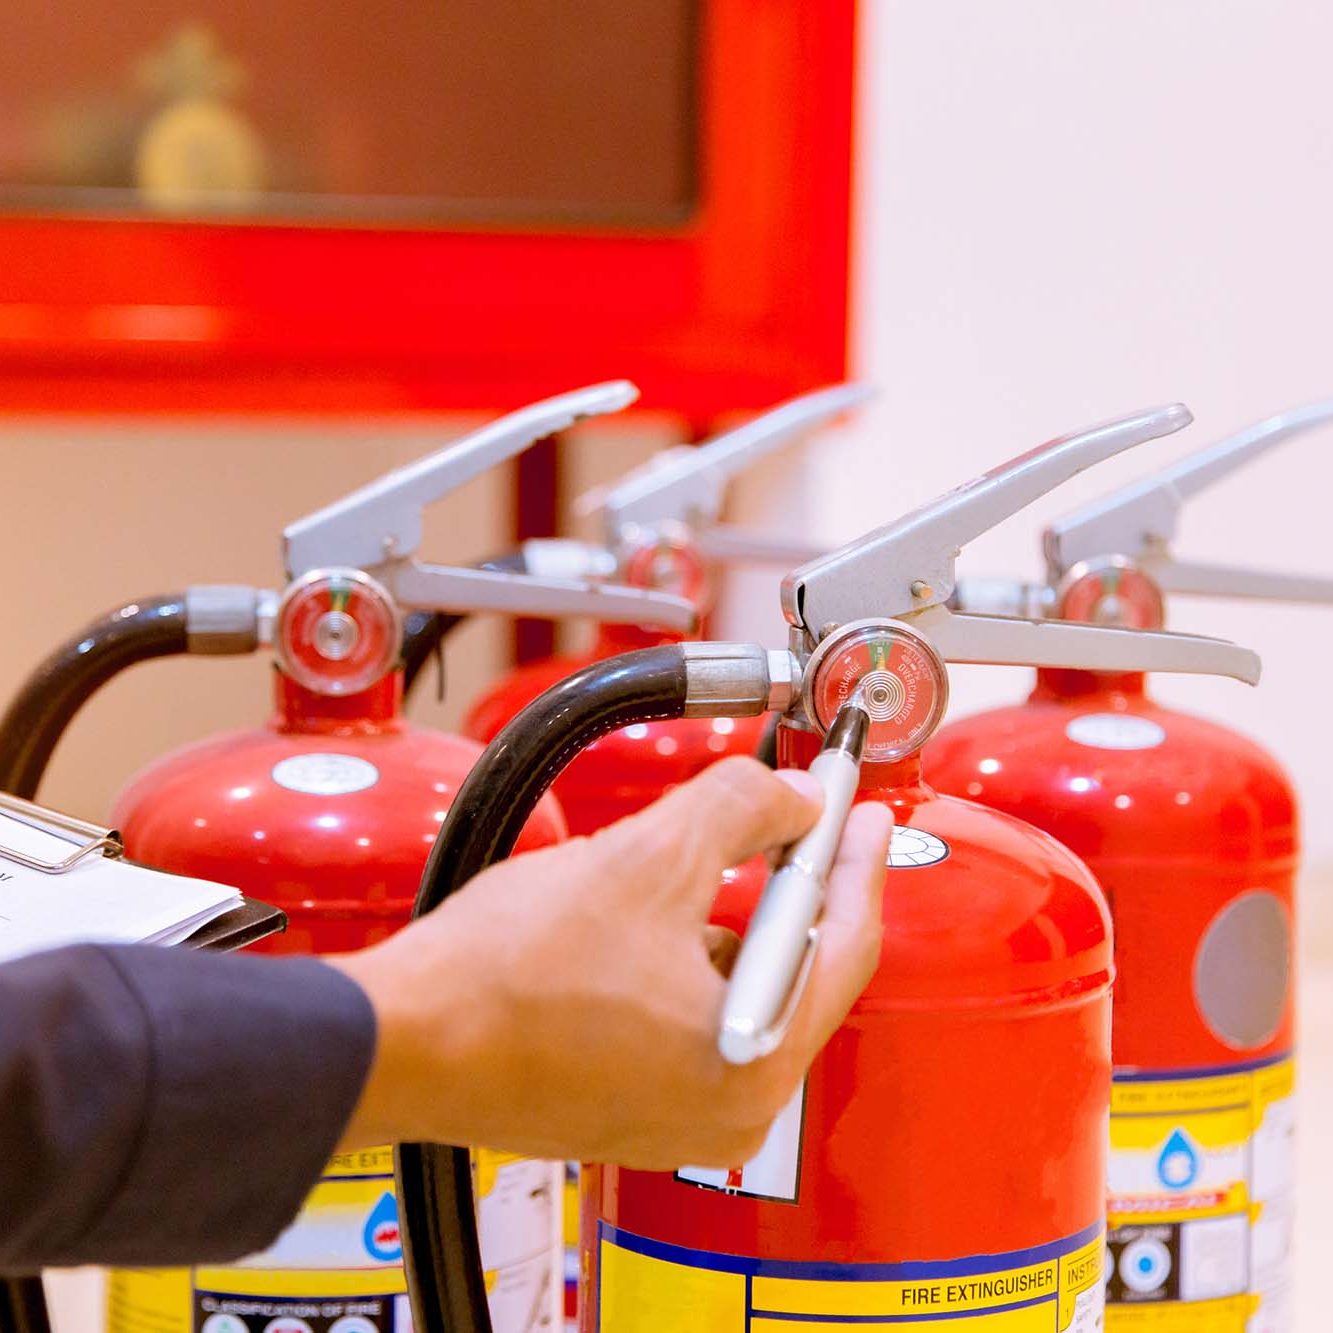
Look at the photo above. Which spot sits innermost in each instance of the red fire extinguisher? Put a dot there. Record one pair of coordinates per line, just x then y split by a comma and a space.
329, 812
662, 531
944, 1160
1191, 829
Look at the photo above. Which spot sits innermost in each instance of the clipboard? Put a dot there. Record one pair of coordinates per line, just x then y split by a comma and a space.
251, 920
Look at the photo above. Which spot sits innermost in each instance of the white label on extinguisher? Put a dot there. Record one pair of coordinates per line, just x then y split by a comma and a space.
325, 774
911, 848
1115, 731
1201, 1198
775, 1170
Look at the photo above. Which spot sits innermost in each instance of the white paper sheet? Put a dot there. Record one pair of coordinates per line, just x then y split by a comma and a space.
101, 899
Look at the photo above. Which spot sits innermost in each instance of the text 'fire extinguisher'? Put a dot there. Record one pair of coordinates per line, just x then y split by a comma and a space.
946, 1155
329, 812
1191, 829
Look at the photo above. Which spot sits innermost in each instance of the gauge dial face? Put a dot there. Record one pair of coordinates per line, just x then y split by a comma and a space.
903, 683
1112, 593
671, 566
338, 632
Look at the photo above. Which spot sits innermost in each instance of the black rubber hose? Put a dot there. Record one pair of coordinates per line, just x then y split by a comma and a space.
767, 749
425, 631
23, 1306
51, 696
436, 1207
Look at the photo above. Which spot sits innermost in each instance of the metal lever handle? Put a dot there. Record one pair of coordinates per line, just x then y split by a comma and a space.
1132, 520
444, 588
909, 564
690, 481
724, 542
999, 641
1184, 576
383, 519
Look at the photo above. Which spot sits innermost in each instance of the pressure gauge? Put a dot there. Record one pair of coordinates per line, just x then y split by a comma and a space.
903, 683
338, 631
1112, 591
665, 559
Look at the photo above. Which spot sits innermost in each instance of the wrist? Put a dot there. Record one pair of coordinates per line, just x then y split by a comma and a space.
423, 1074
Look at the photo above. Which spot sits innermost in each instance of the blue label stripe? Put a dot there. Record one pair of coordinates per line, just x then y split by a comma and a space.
1175, 1113
814, 1271
1215, 1071
881, 1319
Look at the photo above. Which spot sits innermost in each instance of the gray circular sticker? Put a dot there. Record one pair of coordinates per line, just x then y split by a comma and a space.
325, 774
1115, 731
913, 847
1242, 969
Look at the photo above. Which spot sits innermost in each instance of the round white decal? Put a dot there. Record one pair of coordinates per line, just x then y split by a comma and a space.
325, 774
1115, 731
913, 847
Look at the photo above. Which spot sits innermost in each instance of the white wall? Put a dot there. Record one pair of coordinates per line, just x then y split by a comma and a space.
1070, 210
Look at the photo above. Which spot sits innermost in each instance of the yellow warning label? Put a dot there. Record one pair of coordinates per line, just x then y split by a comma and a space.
1200, 1198
341, 1258
650, 1287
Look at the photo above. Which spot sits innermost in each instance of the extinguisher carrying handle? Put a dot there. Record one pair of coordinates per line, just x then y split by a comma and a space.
1139, 521
686, 485
908, 565
424, 632
378, 529
1002, 641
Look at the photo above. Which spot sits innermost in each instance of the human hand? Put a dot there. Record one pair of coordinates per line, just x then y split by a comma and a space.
566, 1003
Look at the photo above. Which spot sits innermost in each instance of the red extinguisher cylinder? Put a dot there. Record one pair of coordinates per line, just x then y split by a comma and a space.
974, 1067
1192, 831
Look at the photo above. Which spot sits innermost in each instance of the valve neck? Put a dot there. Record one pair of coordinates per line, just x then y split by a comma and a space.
898, 784
1055, 683
301, 711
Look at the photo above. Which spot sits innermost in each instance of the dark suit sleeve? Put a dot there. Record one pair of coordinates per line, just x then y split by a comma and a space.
162, 1107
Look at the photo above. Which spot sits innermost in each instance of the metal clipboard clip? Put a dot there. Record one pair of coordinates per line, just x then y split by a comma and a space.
86, 839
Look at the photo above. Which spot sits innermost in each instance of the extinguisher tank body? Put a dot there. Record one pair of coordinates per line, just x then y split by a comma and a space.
1192, 831
946, 1154
630, 768
329, 812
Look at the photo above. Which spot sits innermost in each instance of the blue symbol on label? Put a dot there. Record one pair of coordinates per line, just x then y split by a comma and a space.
1178, 1166
383, 1239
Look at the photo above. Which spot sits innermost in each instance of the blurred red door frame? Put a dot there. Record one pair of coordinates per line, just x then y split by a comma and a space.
744, 303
